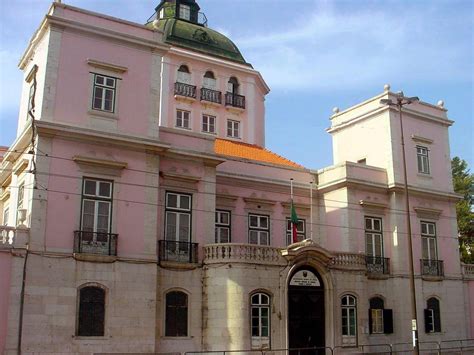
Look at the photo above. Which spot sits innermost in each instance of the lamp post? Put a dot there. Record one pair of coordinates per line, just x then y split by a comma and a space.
401, 101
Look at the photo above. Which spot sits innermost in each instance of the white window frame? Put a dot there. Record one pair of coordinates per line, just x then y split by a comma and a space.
206, 124
349, 311
31, 93
428, 240
106, 86
423, 160
180, 211
259, 228
209, 83
373, 231
221, 226
300, 230
185, 12
97, 198
260, 311
6, 213
233, 127
377, 320
183, 119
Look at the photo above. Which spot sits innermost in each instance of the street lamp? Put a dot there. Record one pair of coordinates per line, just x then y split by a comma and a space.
401, 101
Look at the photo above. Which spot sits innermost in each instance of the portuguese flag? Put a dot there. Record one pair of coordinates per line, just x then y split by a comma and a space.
294, 222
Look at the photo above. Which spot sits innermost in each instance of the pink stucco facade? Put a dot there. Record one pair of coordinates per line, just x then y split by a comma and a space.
145, 154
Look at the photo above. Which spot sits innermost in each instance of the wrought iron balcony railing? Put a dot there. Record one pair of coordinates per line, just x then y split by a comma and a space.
234, 100
211, 95
182, 252
431, 267
95, 243
377, 265
183, 89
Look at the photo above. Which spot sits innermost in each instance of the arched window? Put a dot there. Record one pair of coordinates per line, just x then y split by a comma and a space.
432, 316
91, 311
184, 75
209, 80
260, 319
349, 320
233, 86
176, 314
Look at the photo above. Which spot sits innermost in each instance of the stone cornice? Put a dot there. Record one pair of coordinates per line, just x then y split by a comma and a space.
134, 142
61, 23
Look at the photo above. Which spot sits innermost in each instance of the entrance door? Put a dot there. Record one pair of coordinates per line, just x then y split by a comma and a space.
306, 312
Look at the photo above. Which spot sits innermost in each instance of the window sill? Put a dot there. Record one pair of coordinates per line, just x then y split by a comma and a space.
210, 133
97, 258
234, 138
432, 278
185, 128
103, 114
187, 337
425, 176
77, 337
176, 265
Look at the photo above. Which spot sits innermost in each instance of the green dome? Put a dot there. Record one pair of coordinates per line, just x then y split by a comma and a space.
199, 38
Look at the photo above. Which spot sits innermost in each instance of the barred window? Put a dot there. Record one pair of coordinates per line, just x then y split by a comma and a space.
176, 314
91, 311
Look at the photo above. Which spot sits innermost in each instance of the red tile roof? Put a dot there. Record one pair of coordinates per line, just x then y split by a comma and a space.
251, 152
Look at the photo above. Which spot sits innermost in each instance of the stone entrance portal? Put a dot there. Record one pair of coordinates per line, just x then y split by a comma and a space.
306, 326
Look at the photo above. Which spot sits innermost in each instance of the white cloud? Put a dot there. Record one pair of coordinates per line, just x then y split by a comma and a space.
334, 50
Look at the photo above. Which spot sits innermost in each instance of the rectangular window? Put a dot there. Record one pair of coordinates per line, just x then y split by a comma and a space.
30, 100
423, 160
222, 226
300, 231
377, 321
259, 229
233, 129
21, 196
185, 12
428, 238
374, 237
208, 124
182, 119
178, 217
6, 213
104, 93
96, 207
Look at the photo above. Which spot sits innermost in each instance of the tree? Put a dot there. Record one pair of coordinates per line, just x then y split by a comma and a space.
463, 182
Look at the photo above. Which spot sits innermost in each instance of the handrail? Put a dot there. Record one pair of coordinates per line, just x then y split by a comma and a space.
95, 243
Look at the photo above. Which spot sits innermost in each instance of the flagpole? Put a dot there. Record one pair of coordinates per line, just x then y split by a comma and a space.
311, 208
291, 197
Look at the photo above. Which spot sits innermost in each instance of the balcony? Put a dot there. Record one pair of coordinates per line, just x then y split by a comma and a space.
430, 267
242, 253
95, 243
211, 95
179, 252
235, 100
377, 265
185, 90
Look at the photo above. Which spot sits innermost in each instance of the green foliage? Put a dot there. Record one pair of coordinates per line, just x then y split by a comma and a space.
463, 182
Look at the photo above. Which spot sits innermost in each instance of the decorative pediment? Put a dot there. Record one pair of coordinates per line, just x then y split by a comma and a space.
430, 213
374, 207
307, 249
99, 166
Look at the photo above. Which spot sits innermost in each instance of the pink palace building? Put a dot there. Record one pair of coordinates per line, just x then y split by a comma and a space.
142, 213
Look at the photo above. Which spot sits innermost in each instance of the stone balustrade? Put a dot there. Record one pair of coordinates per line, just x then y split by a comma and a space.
266, 255
468, 271
348, 261
12, 237
242, 253
7, 236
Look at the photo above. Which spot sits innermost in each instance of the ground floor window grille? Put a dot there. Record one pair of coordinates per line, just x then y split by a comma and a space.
91, 311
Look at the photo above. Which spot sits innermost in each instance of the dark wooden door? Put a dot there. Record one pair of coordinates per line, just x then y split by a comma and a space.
306, 318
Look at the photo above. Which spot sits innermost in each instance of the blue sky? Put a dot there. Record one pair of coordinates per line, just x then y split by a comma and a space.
314, 55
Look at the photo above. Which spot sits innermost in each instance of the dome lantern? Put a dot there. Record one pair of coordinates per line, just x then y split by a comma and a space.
187, 10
